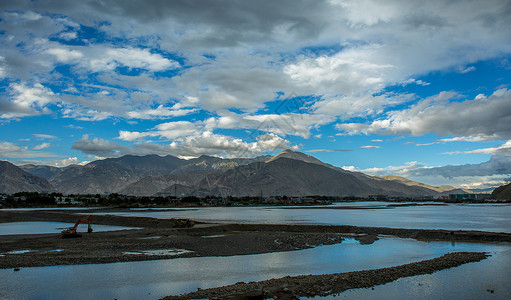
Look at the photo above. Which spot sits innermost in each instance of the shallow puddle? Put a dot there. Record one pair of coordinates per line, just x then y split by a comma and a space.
158, 252
150, 237
19, 252
214, 236
27, 251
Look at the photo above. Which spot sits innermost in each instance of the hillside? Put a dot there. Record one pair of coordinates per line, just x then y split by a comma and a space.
42, 171
183, 180
13, 179
502, 192
290, 177
113, 174
180, 184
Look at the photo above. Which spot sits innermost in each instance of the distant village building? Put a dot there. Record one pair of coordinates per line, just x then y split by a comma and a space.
469, 196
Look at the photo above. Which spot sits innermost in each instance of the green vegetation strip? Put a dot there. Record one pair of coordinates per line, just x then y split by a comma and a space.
324, 285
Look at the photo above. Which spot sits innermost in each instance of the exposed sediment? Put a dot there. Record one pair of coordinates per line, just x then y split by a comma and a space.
419, 234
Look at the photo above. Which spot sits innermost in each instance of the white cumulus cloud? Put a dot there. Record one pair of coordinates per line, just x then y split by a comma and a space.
65, 55
193, 145
11, 150
110, 58
42, 146
481, 118
25, 100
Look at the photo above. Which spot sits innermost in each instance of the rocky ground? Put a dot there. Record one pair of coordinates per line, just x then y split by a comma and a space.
220, 240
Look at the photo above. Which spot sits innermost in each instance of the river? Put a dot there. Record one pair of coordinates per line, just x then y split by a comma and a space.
484, 217
154, 279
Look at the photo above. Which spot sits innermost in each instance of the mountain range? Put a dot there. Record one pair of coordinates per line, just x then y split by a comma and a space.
288, 173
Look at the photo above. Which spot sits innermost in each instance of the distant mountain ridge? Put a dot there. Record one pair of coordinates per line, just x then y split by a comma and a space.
288, 173
296, 156
444, 189
42, 171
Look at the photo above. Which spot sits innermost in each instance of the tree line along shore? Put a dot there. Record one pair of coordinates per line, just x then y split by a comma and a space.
35, 199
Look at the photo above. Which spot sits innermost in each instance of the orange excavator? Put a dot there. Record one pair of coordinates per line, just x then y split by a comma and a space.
71, 231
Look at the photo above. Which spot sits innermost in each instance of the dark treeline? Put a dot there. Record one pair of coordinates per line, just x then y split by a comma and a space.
34, 199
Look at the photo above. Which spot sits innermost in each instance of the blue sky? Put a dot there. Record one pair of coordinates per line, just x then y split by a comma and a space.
412, 88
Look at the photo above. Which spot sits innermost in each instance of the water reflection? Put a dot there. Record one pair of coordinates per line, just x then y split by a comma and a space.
488, 279
174, 252
154, 279
485, 217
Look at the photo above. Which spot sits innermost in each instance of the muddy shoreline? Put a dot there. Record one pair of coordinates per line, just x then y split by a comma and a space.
204, 239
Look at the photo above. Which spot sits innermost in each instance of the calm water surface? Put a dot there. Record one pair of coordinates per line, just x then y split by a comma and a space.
487, 279
155, 279
485, 217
